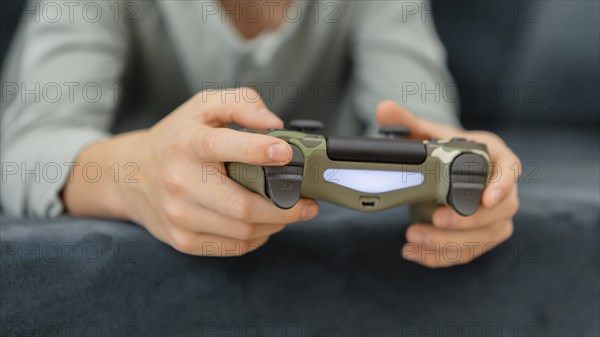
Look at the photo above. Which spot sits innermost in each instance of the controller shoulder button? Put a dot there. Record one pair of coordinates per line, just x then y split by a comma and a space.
305, 125
311, 142
394, 131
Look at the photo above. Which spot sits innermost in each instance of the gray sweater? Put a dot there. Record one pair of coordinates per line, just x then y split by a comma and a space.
79, 72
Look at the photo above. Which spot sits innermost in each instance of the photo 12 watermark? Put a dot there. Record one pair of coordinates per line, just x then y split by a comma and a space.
69, 252
488, 12
90, 12
54, 172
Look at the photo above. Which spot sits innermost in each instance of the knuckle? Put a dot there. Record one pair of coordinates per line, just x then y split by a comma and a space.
249, 148
173, 181
251, 93
248, 246
173, 212
494, 137
487, 135
183, 241
296, 214
243, 248
241, 208
289, 216
427, 239
507, 231
209, 143
519, 164
409, 233
178, 146
245, 231
514, 205
274, 229
502, 233
466, 221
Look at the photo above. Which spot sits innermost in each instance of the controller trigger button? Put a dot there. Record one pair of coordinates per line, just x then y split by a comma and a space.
468, 175
305, 125
283, 183
394, 131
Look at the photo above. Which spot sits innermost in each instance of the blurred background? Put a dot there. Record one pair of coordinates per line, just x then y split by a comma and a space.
527, 70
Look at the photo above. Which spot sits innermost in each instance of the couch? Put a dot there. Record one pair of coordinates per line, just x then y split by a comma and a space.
530, 73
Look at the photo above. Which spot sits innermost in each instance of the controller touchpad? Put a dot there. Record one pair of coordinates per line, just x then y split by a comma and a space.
373, 181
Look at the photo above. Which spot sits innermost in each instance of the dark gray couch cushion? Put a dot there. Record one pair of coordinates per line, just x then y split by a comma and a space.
523, 62
10, 14
338, 275
558, 162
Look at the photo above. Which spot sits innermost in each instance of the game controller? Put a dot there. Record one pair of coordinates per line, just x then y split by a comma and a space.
371, 174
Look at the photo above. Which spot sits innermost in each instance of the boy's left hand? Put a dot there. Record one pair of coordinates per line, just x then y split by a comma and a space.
454, 239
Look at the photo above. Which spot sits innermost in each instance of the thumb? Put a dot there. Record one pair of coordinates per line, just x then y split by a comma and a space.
390, 113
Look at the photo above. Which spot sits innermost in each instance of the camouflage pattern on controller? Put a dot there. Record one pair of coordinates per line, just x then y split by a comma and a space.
432, 192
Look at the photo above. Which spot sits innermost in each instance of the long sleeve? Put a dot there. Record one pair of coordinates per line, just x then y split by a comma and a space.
397, 55
60, 88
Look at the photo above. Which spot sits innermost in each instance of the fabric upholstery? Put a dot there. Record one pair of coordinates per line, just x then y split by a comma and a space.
338, 275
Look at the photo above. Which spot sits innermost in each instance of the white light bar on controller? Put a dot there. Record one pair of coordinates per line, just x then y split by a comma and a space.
373, 181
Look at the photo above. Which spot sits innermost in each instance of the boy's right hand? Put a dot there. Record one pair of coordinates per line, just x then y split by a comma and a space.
182, 194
